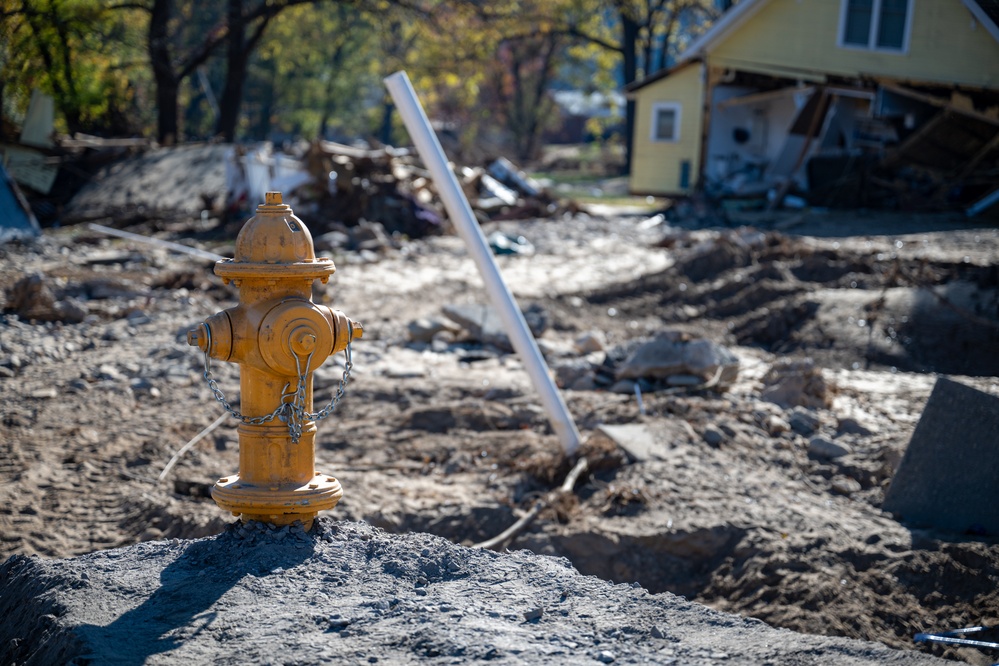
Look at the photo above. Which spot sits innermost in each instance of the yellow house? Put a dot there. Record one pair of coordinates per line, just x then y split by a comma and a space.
782, 94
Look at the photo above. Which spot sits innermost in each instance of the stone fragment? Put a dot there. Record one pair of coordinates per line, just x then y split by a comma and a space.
776, 425
803, 422
331, 240
425, 328
845, 485
533, 614
636, 440
851, 426
79, 384
31, 298
71, 311
570, 372
109, 372
624, 386
713, 437
820, 447
796, 383
369, 236
136, 317
711, 361
551, 349
405, 372
589, 342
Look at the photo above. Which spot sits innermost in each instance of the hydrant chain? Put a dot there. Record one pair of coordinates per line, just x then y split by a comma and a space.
291, 412
335, 400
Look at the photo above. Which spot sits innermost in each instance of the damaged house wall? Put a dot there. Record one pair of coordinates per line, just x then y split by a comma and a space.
795, 104
749, 132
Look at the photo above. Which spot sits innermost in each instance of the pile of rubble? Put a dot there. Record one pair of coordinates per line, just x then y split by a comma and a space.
335, 186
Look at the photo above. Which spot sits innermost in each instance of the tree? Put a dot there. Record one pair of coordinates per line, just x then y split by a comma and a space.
78, 51
487, 69
650, 33
245, 28
525, 65
169, 34
311, 72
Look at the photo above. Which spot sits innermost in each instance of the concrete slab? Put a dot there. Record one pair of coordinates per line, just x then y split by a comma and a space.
949, 475
635, 440
643, 442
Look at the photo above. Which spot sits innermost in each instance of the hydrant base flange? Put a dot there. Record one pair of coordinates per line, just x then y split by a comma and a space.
277, 504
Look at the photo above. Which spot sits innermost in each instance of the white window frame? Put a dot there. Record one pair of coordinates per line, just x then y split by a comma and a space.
872, 36
676, 108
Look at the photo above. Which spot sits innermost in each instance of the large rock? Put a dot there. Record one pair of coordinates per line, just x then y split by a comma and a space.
672, 353
31, 298
349, 593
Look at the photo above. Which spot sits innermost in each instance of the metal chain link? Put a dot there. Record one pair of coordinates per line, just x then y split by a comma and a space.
292, 412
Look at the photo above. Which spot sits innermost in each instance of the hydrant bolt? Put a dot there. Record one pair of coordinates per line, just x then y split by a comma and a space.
279, 337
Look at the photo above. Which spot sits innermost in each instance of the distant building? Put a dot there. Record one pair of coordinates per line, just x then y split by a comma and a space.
810, 93
577, 107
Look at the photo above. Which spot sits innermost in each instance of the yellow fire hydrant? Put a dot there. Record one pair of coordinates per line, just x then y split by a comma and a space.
278, 336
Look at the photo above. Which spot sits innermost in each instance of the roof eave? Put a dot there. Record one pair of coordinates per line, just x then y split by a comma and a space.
727, 22
982, 18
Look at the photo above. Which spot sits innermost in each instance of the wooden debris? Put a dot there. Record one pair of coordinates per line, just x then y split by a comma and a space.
391, 186
510, 533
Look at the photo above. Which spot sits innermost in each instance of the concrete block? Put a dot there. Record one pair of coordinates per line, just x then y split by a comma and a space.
949, 475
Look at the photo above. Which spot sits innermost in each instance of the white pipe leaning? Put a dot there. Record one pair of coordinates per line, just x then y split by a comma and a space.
458, 209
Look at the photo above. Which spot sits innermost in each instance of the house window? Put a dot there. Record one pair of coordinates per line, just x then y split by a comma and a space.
666, 121
875, 24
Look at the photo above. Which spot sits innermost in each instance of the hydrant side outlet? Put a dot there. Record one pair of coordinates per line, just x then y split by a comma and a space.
279, 337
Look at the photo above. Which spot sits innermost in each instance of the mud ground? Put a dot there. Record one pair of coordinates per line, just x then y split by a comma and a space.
98, 390
346, 592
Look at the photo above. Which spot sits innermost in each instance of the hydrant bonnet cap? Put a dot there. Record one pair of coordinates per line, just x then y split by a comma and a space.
274, 236
274, 244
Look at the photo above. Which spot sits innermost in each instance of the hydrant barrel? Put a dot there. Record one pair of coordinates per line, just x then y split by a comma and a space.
278, 336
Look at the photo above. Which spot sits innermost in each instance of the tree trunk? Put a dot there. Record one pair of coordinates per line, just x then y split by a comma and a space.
235, 76
385, 134
629, 44
167, 84
168, 129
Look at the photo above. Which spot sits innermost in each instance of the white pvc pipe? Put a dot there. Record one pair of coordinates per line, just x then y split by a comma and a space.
430, 150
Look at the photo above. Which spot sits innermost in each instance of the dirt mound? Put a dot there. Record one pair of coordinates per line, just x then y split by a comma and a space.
789, 295
165, 182
346, 591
